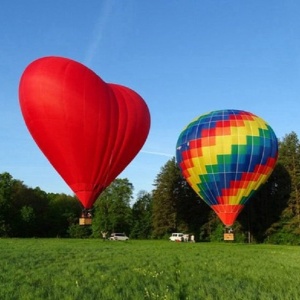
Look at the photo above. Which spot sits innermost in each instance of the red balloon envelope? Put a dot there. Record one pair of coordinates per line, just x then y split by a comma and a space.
88, 129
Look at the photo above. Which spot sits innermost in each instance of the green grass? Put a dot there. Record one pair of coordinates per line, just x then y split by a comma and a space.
93, 269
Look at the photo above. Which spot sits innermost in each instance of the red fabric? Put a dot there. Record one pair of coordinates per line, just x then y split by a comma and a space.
227, 213
89, 130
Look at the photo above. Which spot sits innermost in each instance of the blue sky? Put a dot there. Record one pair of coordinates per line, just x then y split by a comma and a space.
184, 58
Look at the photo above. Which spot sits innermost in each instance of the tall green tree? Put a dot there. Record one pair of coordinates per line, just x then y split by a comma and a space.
288, 229
142, 216
164, 202
176, 207
64, 211
112, 211
29, 211
6, 196
262, 212
289, 157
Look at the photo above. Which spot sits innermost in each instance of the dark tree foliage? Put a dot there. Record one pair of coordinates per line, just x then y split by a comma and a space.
192, 210
77, 231
164, 202
142, 216
63, 212
6, 195
263, 210
176, 207
290, 159
29, 212
287, 229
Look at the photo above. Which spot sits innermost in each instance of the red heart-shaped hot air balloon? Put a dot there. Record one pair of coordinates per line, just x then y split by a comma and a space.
88, 129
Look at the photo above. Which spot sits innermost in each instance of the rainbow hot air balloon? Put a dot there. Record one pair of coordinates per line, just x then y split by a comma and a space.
225, 156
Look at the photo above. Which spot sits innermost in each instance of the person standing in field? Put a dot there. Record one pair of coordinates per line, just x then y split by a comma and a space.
103, 235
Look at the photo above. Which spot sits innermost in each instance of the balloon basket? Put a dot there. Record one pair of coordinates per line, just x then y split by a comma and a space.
85, 221
228, 237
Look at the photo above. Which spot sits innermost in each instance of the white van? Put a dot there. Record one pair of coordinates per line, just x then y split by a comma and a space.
176, 237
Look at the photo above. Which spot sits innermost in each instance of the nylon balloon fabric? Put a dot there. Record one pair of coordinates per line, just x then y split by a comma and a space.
225, 156
88, 129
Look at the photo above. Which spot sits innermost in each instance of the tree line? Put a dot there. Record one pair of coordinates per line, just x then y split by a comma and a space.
271, 216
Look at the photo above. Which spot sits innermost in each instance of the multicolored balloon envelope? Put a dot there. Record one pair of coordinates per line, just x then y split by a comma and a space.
88, 129
225, 156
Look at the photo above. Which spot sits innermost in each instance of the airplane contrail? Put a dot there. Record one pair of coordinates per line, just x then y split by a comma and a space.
157, 153
98, 31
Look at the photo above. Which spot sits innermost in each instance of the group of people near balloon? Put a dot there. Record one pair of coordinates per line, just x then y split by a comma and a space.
91, 130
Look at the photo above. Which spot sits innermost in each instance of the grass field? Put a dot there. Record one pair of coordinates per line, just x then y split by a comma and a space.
93, 269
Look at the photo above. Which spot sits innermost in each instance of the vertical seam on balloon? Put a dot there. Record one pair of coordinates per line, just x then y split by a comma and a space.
264, 150
102, 169
239, 192
224, 162
108, 167
125, 124
95, 174
84, 121
238, 154
205, 196
67, 118
210, 158
117, 149
247, 123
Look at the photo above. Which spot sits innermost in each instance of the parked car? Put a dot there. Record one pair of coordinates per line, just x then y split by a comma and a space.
176, 237
179, 237
118, 237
